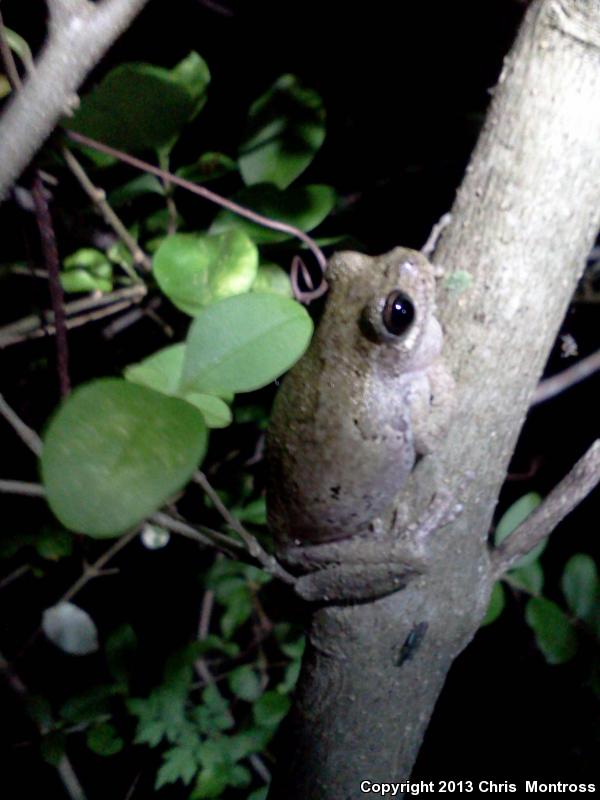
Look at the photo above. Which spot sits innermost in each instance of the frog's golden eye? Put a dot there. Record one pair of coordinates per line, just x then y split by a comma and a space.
398, 313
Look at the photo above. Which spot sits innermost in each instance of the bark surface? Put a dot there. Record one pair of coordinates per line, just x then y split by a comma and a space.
524, 220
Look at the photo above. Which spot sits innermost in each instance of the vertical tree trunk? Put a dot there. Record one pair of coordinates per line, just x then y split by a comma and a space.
524, 220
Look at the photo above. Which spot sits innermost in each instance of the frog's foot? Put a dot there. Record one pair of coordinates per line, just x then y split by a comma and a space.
356, 569
353, 583
364, 567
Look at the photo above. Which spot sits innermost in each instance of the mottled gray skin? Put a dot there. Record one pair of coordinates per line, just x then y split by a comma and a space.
334, 473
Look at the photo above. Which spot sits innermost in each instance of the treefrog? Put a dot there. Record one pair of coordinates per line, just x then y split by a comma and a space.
370, 396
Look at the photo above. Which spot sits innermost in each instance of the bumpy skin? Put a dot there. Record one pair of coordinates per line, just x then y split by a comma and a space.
355, 412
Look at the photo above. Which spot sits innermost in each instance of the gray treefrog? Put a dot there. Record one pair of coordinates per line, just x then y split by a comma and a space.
369, 397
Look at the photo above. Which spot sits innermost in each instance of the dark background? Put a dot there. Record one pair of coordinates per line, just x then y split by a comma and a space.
406, 87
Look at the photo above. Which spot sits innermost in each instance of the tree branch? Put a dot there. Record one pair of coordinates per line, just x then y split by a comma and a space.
79, 34
22, 487
25, 433
567, 378
573, 488
57, 298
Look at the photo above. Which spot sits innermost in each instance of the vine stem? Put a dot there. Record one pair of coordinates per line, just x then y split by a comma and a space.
207, 194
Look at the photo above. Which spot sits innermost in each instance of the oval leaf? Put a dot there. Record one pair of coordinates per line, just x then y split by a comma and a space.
270, 709
271, 278
244, 683
512, 518
70, 628
305, 207
529, 578
161, 371
140, 106
553, 632
194, 271
115, 452
581, 587
215, 411
286, 127
243, 343
496, 604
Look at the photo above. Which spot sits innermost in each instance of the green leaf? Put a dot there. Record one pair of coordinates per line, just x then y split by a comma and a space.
115, 452
244, 683
54, 543
90, 705
215, 411
271, 278
138, 187
270, 709
121, 647
259, 794
243, 343
53, 747
553, 632
254, 513
196, 270
87, 270
208, 167
512, 518
140, 106
304, 207
294, 648
290, 677
162, 372
496, 604
529, 578
104, 740
212, 782
40, 710
250, 740
215, 644
581, 587
237, 610
19, 46
239, 777
515, 515
286, 128
179, 765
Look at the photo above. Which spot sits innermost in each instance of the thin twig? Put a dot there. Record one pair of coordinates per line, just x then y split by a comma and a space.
256, 550
105, 305
98, 197
200, 664
567, 378
51, 259
64, 768
94, 570
196, 188
199, 533
21, 487
573, 488
15, 575
25, 433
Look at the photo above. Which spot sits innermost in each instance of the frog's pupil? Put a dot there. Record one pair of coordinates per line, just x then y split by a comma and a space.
398, 313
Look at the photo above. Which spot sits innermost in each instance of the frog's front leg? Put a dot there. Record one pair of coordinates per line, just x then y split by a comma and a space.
362, 568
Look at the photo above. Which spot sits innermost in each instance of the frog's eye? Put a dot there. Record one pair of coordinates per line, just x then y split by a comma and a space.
398, 313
